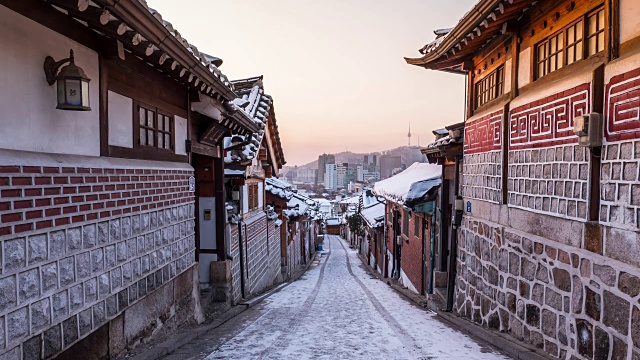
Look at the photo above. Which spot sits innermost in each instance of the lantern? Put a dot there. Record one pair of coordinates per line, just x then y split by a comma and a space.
72, 83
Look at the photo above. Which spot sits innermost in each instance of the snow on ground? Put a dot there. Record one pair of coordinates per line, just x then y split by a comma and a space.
337, 311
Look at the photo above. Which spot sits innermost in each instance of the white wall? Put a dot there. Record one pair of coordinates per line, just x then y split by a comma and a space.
260, 195
245, 199
181, 135
29, 117
524, 67
120, 110
629, 19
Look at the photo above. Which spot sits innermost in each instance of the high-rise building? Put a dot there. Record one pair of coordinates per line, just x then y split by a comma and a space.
370, 163
323, 160
330, 176
388, 163
342, 175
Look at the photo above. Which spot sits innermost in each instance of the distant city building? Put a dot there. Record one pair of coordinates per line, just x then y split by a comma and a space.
330, 177
306, 175
370, 163
388, 163
351, 173
342, 175
367, 175
323, 160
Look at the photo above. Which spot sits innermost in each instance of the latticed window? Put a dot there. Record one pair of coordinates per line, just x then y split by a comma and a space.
550, 54
573, 43
595, 33
254, 196
490, 87
155, 128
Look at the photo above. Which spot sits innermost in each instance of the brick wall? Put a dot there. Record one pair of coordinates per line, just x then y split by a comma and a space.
482, 164
560, 298
411, 259
81, 245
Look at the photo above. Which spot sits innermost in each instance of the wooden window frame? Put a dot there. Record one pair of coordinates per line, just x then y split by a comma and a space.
584, 40
155, 128
416, 225
595, 35
253, 194
489, 88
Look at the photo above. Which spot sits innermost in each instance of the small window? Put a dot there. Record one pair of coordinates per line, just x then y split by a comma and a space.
155, 128
405, 224
254, 196
416, 223
490, 87
595, 32
575, 42
550, 55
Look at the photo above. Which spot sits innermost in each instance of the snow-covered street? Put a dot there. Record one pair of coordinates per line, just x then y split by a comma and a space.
336, 311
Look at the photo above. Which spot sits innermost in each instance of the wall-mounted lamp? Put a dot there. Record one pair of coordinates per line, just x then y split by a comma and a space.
73, 83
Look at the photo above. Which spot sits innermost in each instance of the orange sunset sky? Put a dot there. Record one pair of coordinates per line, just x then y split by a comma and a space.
335, 68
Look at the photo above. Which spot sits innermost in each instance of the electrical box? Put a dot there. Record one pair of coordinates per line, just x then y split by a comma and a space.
589, 130
399, 240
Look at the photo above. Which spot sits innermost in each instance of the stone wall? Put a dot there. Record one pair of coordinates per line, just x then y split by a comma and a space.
482, 163
551, 180
564, 300
82, 245
236, 289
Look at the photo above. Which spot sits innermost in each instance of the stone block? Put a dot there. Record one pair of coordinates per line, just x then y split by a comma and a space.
32, 348
40, 314
126, 228
76, 296
114, 230
562, 330
220, 272
619, 349
60, 305
90, 290
533, 315
592, 304
602, 344
83, 265
117, 339
537, 294
70, 330
616, 312
49, 275
18, 324
14, 255
74, 239
585, 338
97, 260
562, 279
99, 313
542, 273
57, 244
132, 247
36, 249
104, 285
553, 299
116, 278
549, 320
110, 256
52, 341
84, 322
606, 273
67, 271
103, 233
29, 285
147, 309
89, 236
121, 252
8, 293
112, 305
635, 326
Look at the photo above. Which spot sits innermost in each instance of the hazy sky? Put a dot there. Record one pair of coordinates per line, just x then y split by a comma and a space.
335, 68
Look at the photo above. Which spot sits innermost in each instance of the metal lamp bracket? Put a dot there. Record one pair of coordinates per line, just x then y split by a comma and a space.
51, 67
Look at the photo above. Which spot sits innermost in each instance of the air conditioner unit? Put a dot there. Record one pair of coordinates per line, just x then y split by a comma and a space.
589, 130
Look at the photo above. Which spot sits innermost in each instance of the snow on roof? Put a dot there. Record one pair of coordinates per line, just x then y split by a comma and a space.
257, 105
374, 215
232, 172
351, 200
396, 188
278, 188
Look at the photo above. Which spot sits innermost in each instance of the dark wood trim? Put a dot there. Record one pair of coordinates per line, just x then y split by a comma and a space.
128, 91
614, 28
505, 153
515, 65
218, 183
597, 101
45, 15
104, 107
146, 153
470, 94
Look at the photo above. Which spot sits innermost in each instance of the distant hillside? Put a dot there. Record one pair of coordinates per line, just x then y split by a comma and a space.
409, 155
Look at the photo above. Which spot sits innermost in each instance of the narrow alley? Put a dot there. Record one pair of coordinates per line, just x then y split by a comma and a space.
335, 311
